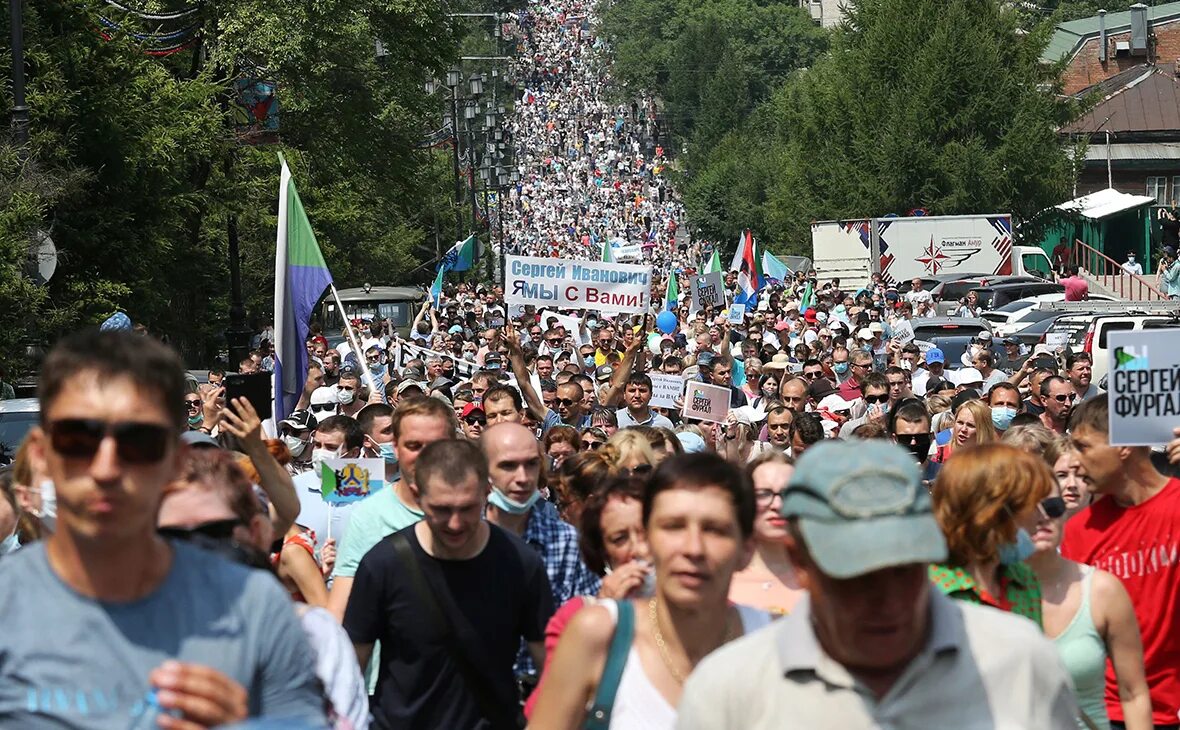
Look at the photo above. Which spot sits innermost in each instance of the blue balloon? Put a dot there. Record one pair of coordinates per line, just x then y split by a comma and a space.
666, 322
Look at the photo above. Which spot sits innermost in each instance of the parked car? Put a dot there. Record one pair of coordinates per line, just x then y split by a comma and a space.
997, 295
1088, 332
949, 293
17, 418
930, 327
1014, 316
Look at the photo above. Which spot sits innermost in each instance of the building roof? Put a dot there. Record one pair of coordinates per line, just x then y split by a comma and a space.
1147, 99
1105, 203
1068, 37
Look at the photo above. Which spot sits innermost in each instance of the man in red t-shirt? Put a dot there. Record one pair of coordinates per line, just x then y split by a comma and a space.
1133, 531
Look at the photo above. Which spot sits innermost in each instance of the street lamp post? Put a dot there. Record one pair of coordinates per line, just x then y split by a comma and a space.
20, 110
454, 78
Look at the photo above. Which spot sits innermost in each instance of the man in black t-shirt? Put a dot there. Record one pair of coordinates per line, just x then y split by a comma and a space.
490, 585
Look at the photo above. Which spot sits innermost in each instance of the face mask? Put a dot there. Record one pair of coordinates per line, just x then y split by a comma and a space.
1002, 417
10, 543
875, 410
511, 506
588, 361
591, 323
319, 455
195, 420
48, 514
840, 368
295, 445
346, 396
388, 453
1019, 551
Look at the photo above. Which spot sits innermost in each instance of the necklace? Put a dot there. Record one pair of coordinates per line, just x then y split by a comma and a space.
665, 655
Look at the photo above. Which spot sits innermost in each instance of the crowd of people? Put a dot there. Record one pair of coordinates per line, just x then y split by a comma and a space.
592, 169
877, 533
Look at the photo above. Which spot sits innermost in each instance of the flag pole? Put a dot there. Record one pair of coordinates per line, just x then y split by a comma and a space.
368, 376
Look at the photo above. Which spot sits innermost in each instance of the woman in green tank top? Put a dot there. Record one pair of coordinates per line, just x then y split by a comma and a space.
1088, 615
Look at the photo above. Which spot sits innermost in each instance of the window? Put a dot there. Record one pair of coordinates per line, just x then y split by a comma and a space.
1157, 187
1176, 190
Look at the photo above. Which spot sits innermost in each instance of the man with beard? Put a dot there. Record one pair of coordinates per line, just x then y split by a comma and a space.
1080, 368
1058, 395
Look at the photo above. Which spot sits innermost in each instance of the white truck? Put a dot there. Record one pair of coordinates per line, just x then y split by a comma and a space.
901, 249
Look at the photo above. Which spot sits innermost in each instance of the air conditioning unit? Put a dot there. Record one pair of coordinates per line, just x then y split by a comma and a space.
1122, 48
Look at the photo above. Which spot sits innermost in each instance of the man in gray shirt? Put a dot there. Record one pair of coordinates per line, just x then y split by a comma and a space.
106, 624
873, 646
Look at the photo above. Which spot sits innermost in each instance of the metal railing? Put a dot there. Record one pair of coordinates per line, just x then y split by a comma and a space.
1109, 274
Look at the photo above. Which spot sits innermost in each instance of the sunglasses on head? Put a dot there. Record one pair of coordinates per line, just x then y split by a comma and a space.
215, 529
137, 443
1051, 507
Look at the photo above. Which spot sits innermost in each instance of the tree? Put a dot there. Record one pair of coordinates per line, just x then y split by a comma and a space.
938, 104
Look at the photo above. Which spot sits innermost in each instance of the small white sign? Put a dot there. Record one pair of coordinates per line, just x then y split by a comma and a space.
665, 390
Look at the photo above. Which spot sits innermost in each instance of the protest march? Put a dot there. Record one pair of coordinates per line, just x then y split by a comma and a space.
633, 480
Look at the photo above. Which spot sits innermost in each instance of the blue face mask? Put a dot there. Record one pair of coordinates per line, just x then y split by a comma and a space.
10, 544
388, 453
1002, 417
588, 361
840, 368
1019, 551
511, 506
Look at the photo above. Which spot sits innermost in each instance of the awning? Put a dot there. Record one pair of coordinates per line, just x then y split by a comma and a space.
1105, 203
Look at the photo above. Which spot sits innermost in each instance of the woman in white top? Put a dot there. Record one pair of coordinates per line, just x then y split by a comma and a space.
698, 511
769, 582
1088, 615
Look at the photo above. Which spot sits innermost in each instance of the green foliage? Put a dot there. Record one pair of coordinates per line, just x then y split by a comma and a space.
922, 103
137, 175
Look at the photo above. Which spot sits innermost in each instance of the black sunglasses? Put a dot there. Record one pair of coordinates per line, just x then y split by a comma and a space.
638, 470
592, 445
565, 402
1062, 398
323, 407
137, 443
473, 420
215, 529
192, 405
871, 399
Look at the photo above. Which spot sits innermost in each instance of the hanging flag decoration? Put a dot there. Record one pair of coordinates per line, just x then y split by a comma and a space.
255, 109
159, 41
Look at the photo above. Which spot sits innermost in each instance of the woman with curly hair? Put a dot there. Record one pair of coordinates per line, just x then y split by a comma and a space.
988, 499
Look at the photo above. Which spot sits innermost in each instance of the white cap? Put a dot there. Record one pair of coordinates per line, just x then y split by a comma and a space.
985, 335
966, 376
370, 343
876, 327
324, 395
864, 333
834, 402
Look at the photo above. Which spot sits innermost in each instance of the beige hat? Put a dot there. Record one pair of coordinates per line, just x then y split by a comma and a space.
864, 333
781, 361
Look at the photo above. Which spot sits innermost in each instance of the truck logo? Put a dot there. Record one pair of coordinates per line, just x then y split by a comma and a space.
947, 255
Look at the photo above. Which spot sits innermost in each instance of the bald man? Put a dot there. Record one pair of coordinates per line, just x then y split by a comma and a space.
515, 504
793, 394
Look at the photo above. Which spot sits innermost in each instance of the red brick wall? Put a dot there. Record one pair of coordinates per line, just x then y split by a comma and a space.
1085, 69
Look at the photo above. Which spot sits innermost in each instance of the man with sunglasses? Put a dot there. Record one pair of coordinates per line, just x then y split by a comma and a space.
146, 627
1059, 397
875, 400
909, 425
473, 420
812, 369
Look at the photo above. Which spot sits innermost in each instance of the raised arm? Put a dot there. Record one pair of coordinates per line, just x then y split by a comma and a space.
241, 420
516, 360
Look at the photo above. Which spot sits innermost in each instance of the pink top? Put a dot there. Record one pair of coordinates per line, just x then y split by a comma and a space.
1076, 288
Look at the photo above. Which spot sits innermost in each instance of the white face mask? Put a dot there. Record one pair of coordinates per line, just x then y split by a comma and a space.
345, 396
295, 445
319, 455
48, 512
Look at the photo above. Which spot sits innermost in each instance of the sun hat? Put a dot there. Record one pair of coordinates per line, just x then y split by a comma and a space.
861, 507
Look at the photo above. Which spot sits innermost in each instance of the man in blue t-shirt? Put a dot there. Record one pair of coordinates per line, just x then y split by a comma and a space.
108, 625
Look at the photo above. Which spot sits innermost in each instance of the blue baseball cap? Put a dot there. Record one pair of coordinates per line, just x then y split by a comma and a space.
861, 507
934, 355
691, 443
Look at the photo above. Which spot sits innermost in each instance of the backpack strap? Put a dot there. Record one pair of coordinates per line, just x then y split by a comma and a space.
598, 718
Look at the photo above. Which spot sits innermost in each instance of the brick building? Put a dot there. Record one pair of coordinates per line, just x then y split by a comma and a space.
1129, 63
1104, 45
